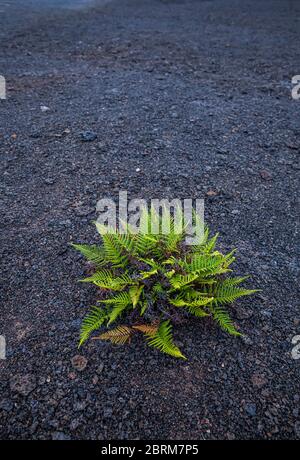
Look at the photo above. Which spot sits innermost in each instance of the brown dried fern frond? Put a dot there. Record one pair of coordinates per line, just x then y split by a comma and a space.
118, 336
148, 329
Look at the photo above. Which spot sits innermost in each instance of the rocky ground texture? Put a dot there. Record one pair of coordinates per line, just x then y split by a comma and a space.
185, 99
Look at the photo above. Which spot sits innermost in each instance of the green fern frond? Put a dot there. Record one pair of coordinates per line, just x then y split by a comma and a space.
135, 293
158, 251
176, 234
180, 301
92, 322
121, 297
153, 264
103, 275
106, 280
126, 241
173, 241
180, 281
223, 319
119, 303
144, 306
234, 281
170, 273
170, 261
206, 281
113, 246
116, 311
145, 221
92, 253
205, 265
210, 244
227, 292
205, 236
164, 342
196, 311
202, 240
114, 251
192, 306
158, 288
144, 245
145, 275
228, 258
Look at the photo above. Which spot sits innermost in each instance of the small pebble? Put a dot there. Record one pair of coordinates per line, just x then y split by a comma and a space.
44, 108
250, 408
88, 136
79, 362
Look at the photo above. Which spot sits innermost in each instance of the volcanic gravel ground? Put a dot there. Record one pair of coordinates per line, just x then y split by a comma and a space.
188, 99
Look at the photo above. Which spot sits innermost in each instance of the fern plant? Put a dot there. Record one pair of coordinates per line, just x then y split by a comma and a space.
152, 280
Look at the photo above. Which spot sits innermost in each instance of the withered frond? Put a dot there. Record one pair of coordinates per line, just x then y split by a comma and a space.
148, 329
118, 336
